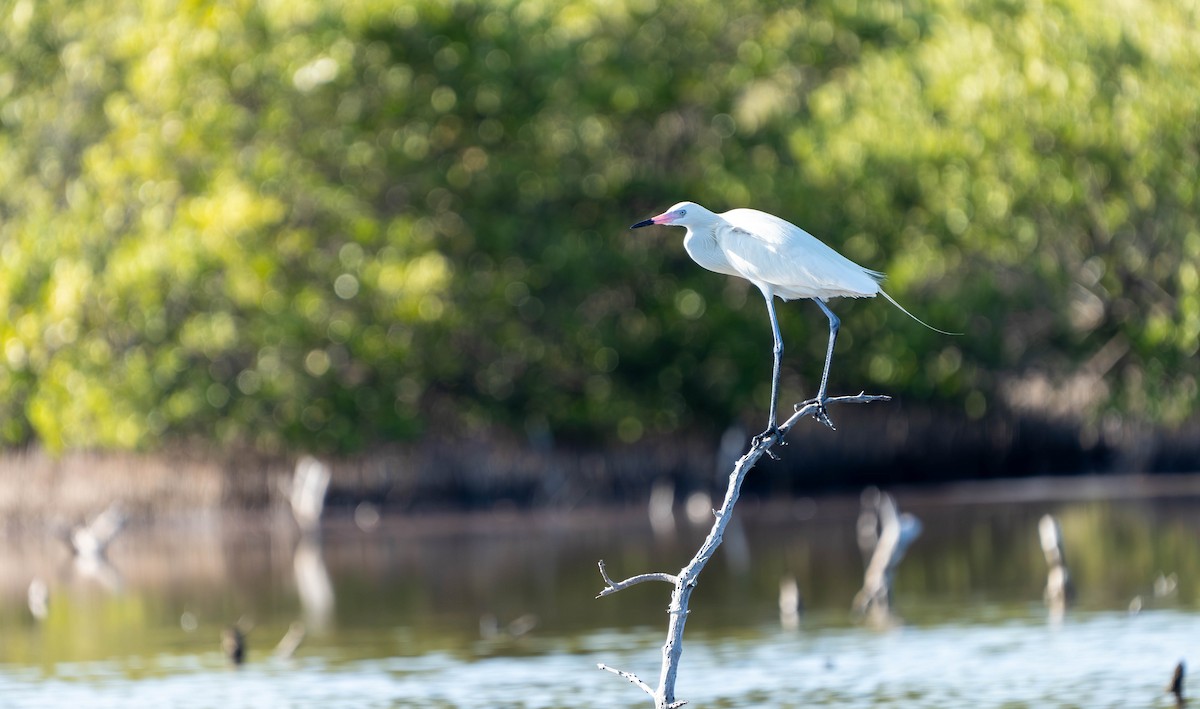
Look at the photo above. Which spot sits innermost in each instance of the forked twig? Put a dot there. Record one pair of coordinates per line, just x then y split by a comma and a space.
614, 586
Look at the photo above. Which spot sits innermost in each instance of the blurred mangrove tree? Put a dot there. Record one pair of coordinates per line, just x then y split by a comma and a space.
322, 224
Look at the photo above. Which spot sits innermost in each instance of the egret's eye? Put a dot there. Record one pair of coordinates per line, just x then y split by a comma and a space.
683, 212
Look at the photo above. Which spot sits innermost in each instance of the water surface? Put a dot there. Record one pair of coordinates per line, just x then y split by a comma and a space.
498, 609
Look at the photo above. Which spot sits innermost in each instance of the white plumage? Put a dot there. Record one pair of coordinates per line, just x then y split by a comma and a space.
783, 261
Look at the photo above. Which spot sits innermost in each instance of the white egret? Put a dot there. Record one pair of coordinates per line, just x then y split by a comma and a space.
783, 261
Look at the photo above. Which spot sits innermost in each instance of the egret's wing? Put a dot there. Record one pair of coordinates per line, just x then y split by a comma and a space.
769, 250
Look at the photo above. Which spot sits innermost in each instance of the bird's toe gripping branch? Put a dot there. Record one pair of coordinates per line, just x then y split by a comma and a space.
769, 437
820, 412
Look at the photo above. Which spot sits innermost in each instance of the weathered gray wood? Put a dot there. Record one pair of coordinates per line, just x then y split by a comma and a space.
684, 583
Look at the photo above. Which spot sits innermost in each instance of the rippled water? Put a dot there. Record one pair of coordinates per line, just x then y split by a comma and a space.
420, 612
1103, 659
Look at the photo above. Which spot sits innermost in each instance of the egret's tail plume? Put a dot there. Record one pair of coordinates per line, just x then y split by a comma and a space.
914, 317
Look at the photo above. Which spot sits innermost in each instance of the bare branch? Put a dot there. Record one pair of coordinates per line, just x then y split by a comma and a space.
813, 407
614, 586
629, 676
685, 581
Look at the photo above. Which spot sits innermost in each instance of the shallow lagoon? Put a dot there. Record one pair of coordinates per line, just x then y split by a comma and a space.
498, 609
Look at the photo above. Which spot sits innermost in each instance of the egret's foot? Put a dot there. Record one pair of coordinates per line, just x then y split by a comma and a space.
761, 438
821, 414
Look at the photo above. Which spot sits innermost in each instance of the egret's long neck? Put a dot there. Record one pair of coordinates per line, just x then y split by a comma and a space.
701, 244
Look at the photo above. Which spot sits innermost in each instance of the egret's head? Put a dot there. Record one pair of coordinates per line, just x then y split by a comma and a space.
682, 214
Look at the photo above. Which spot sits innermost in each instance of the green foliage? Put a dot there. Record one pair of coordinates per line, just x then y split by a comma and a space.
301, 224
201, 241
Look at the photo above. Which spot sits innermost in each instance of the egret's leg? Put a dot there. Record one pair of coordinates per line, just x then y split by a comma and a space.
772, 430
778, 356
834, 324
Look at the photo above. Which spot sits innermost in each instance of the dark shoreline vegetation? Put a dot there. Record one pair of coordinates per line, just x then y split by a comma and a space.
898, 449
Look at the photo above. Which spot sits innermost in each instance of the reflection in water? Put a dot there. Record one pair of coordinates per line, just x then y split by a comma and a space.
790, 603
313, 584
308, 486
89, 544
402, 600
98, 569
291, 641
38, 597
1058, 591
893, 534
